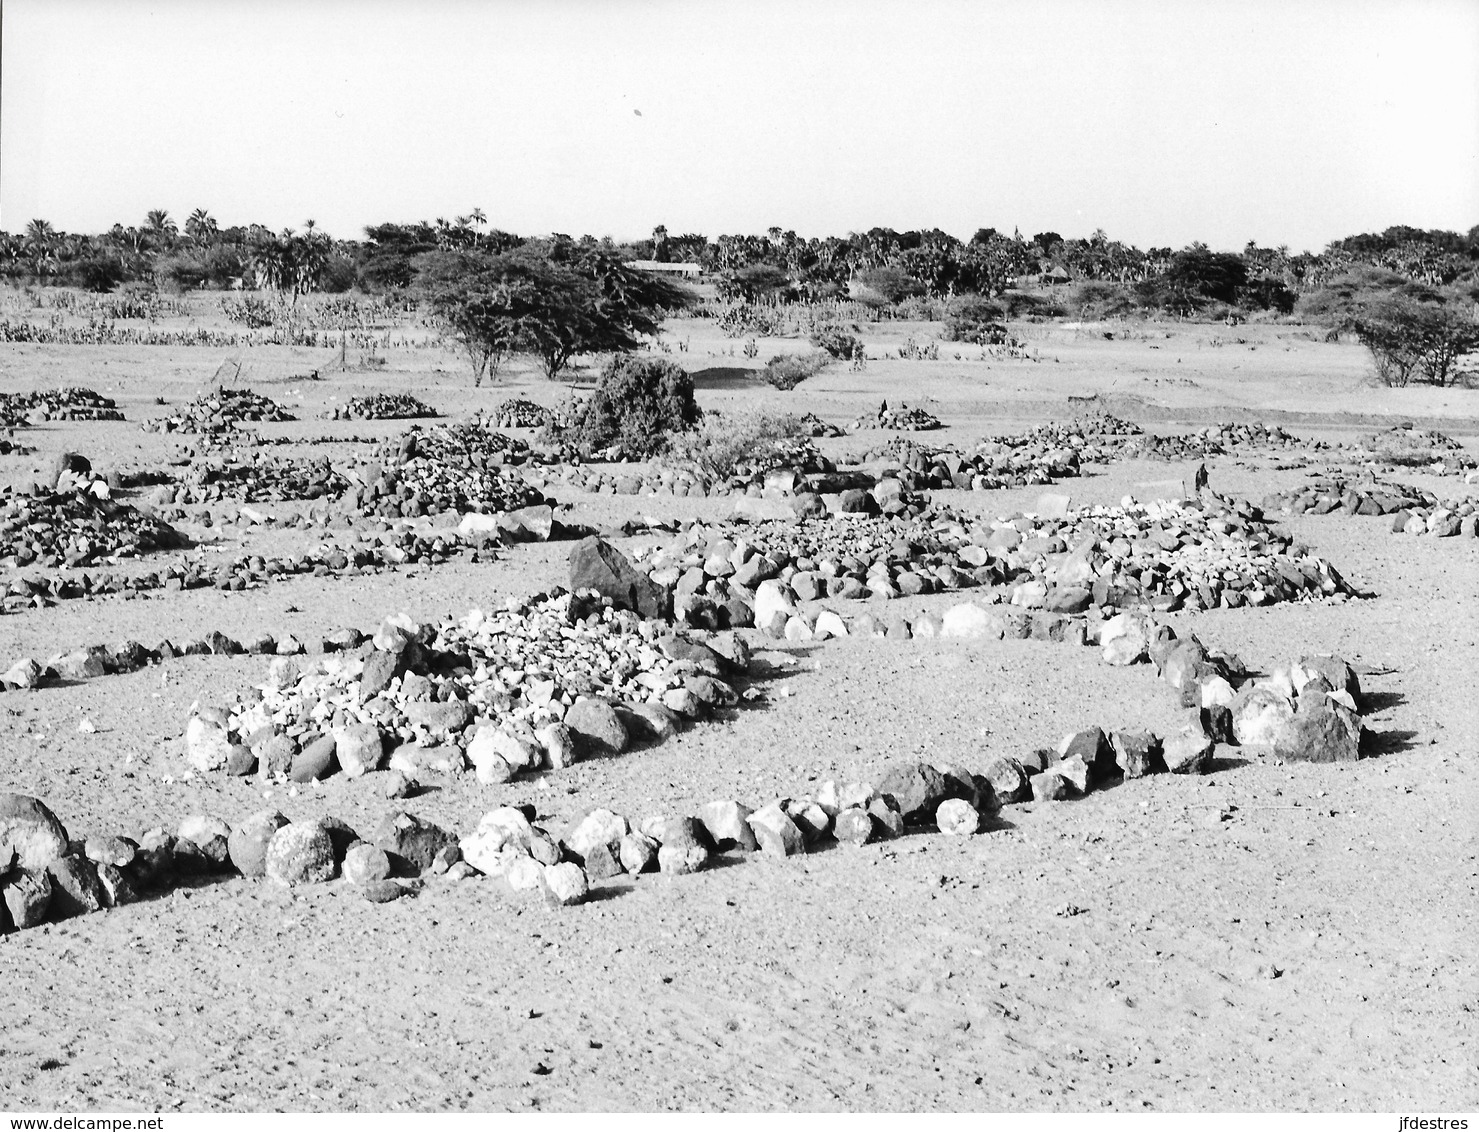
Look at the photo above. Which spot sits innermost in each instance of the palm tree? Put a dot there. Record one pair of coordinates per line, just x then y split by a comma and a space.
40, 233
201, 226
159, 222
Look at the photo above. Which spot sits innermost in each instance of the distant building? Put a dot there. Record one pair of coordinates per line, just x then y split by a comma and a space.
691, 270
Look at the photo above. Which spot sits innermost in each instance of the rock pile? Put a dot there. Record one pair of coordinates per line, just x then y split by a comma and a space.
1439, 520
74, 528
1214, 441
1305, 711
423, 486
813, 426
989, 466
255, 480
463, 467
70, 403
1407, 446
474, 444
93, 661
538, 684
248, 571
900, 417
219, 411
1159, 555
1323, 495
1413, 511
519, 413
383, 407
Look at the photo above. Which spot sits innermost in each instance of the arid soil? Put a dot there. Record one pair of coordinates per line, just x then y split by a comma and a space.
1265, 937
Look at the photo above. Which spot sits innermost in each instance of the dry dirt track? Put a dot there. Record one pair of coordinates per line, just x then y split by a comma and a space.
1265, 937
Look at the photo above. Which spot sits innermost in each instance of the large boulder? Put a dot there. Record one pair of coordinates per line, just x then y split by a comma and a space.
75, 888
1321, 731
207, 744
208, 842
32, 830
410, 843
593, 829
775, 832
301, 853
595, 724
597, 565
682, 845
1008, 778
27, 896
365, 863
1260, 715
246, 846
1138, 753
359, 748
1094, 749
1126, 638
1342, 676
971, 622
1188, 753
917, 787
500, 832
728, 825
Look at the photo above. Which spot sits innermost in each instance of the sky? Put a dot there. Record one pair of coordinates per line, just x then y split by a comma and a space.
1290, 122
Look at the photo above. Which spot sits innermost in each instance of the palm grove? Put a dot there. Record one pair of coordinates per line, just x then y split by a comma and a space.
1407, 293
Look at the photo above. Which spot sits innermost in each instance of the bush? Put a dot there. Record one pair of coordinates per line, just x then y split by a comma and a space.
786, 371
250, 311
637, 403
1267, 293
888, 285
1095, 299
1409, 339
179, 273
338, 276
747, 320
1019, 305
757, 281
920, 308
837, 342
975, 319
101, 273
724, 445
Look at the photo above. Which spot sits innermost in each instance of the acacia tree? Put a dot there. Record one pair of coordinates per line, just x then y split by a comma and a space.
1408, 337
481, 303
552, 300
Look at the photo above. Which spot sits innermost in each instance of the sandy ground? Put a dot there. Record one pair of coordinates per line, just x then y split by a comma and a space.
1266, 937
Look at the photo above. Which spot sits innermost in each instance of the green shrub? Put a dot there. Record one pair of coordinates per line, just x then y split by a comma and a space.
638, 403
724, 444
250, 311
837, 342
180, 273
975, 319
1019, 305
888, 285
746, 319
919, 308
1095, 299
786, 371
1412, 340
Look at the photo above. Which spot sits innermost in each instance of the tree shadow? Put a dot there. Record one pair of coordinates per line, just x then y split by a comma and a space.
726, 377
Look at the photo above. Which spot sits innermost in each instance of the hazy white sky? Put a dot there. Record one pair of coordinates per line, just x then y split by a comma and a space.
1291, 122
